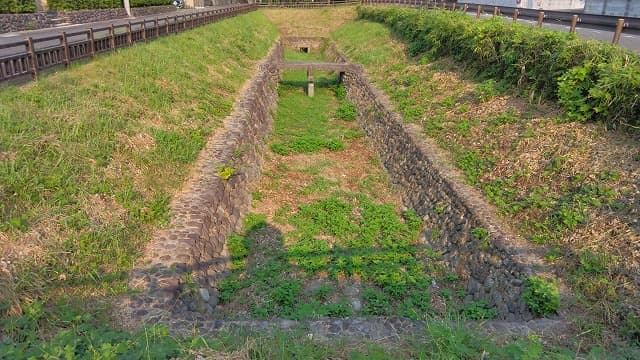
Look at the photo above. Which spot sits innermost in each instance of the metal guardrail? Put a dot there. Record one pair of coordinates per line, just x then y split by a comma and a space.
31, 56
570, 18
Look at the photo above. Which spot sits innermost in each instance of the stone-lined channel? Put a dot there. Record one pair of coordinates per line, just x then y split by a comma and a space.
328, 236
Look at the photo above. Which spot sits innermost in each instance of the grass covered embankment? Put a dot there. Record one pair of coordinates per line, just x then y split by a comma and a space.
90, 158
569, 186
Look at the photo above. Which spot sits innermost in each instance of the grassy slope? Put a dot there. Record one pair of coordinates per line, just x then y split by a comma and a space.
91, 156
569, 186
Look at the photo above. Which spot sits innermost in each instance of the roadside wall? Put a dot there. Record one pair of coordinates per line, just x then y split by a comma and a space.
493, 267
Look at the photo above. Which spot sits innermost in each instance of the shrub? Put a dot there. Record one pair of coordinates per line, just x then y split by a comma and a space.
591, 80
541, 296
17, 6
100, 4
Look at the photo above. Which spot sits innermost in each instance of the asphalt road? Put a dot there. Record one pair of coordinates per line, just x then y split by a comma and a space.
8, 38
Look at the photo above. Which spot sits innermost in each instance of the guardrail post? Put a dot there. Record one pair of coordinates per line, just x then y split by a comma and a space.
65, 46
619, 27
112, 38
34, 60
479, 11
92, 40
574, 23
495, 11
540, 18
515, 15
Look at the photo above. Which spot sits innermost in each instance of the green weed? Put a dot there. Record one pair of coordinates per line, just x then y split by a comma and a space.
478, 310
346, 111
541, 296
225, 172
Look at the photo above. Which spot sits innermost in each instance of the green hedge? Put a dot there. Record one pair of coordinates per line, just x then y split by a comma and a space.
101, 4
17, 6
590, 79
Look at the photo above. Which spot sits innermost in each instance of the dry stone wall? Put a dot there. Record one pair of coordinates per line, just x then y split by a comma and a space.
493, 267
183, 263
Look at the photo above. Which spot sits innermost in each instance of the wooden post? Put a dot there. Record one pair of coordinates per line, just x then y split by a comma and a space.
129, 35
495, 11
156, 27
166, 24
143, 26
479, 11
619, 27
92, 40
65, 45
574, 23
465, 7
34, 59
310, 84
453, 7
515, 15
540, 18
444, 5
112, 39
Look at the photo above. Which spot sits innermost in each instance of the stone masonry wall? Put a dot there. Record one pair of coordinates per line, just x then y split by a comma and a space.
40, 20
182, 264
493, 268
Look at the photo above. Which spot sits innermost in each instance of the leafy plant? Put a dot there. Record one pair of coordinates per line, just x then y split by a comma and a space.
478, 310
376, 302
226, 172
482, 236
346, 111
541, 296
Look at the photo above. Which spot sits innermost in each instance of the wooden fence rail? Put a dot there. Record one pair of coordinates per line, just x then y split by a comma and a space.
31, 56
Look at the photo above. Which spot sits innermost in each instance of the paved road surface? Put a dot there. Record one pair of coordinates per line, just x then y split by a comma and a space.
8, 38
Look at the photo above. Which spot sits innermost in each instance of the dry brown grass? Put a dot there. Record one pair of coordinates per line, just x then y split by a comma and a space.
310, 22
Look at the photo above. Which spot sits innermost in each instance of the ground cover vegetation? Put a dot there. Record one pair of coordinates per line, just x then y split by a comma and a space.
327, 237
89, 159
17, 6
569, 186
